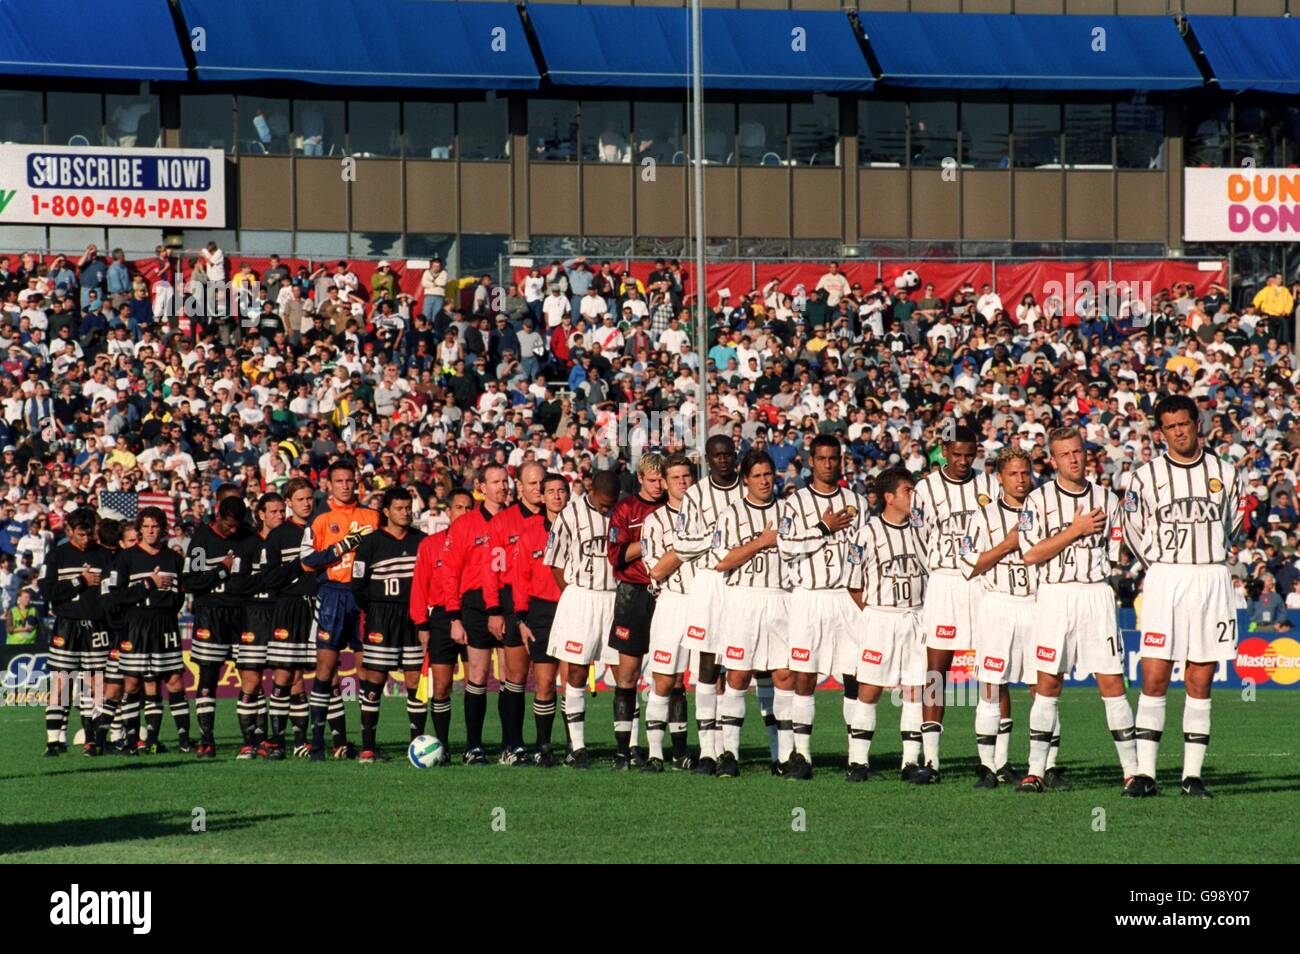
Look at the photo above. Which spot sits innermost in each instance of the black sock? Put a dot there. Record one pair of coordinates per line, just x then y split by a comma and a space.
279, 713
475, 714
105, 721
320, 707
205, 702
511, 708
677, 721
153, 721
180, 707
624, 706
544, 720
262, 725
372, 693
131, 717
416, 712
440, 715
299, 714
338, 716
505, 701
247, 710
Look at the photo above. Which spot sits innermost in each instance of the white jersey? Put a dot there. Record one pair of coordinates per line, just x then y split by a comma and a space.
577, 543
658, 536
889, 565
989, 526
702, 507
1184, 514
943, 508
1051, 508
818, 561
739, 524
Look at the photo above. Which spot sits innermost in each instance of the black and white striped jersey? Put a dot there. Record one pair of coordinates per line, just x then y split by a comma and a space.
702, 507
577, 543
384, 566
988, 527
658, 536
818, 561
1049, 509
888, 563
943, 508
739, 524
1183, 514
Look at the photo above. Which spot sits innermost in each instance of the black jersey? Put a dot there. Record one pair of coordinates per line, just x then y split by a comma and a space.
62, 586
137, 593
204, 576
112, 587
253, 558
384, 566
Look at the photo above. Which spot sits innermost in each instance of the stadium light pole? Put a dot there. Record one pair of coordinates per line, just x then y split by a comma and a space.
701, 295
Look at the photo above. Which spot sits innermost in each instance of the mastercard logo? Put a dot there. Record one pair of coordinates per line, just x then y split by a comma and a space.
1263, 661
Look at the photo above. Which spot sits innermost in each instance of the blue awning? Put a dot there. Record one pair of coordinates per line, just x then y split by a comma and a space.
1255, 53
72, 38
649, 47
1007, 51
434, 44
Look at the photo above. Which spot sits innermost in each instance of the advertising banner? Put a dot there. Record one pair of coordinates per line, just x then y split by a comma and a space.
1241, 205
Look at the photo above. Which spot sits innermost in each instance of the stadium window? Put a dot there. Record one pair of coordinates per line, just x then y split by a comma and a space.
1088, 134
263, 126
1258, 134
23, 236
145, 241
882, 133
323, 244
815, 131
1139, 133
482, 128
262, 242
430, 129
207, 122
720, 132
133, 121
934, 132
553, 130
762, 133
481, 254
1207, 135
429, 246
1036, 129
606, 131
985, 132
62, 237
318, 127
76, 119
376, 244
21, 112
374, 129
659, 132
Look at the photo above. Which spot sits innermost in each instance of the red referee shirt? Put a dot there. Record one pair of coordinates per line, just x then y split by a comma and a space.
625, 520
504, 532
532, 579
428, 584
469, 562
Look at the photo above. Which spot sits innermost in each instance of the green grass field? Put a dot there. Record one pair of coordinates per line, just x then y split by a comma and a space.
73, 809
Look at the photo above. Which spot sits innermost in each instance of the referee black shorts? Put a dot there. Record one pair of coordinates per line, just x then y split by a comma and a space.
390, 641
443, 651
474, 616
541, 613
634, 606
507, 598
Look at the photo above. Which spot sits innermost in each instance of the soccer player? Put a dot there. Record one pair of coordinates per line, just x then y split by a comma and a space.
383, 569
474, 603
329, 544
818, 525
943, 503
1181, 512
702, 505
218, 611
1004, 617
1070, 529
754, 622
429, 590
70, 584
665, 709
536, 596
887, 579
254, 557
634, 604
575, 552
116, 536
504, 531
149, 589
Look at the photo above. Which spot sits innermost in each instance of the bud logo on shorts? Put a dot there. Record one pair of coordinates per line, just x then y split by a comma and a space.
871, 656
735, 652
801, 655
203, 634
323, 637
281, 634
1116, 534
994, 664
694, 632
375, 638
248, 637
663, 657
1154, 639
945, 632
572, 647
622, 632
1046, 654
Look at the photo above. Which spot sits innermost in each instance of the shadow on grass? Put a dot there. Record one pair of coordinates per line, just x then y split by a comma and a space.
84, 766
83, 832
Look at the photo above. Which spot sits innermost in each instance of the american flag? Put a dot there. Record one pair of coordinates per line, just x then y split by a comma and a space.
126, 504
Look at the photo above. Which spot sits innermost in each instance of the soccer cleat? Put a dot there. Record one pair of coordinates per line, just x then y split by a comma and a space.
778, 768
316, 755
63, 746
119, 747
622, 763
1008, 773
1054, 779
637, 757
858, 772
1139, 786
728, 767
684, 764
183, 743
52, 750
910, 771
345, 751
246, 752
706, 766
91, 749
371, 756
205, 750
274, 753
653, 766
1031, 783
153, 748
519, 755
1194, 788
474, 757
128, 750
927, 776
578, 760
798, 768
985, 777
545, 758
264, 747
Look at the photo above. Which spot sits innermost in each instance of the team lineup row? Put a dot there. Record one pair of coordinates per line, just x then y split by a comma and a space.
716, 575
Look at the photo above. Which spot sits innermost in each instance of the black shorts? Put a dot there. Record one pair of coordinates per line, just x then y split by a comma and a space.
259, 622
473, 614
389, 639
151, 647
217, 631
507, 598
79, 645
541, 613
293, 625
634, 605
443, 651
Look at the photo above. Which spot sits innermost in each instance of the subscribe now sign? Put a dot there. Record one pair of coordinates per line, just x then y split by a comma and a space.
1241, 205
72, 185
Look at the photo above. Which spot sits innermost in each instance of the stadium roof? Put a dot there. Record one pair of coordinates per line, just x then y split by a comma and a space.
68, 39
1251, 53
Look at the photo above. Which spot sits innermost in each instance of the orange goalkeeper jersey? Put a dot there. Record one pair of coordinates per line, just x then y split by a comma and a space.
329, 528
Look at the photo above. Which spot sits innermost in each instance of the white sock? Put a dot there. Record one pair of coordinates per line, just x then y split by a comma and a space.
1119, 719
766, 698
656, 724
706, 716
986, 732
1054, 750
1196, 735
1044, 715
575, 714
850, 708
864, 728
717, 723
1003, 753
805, 710
931, 733
731, 708
636, 723
783, 709
910, 729
1148, 726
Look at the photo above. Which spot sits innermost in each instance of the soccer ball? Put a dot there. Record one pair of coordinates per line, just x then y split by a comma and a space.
425, 751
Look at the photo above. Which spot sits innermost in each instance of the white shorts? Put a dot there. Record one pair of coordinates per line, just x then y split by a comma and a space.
948, 616
1187, 614
580, 629
823, 627
1004, 629
753, 629
890, 652
702, 611
1077, 628
667, 655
